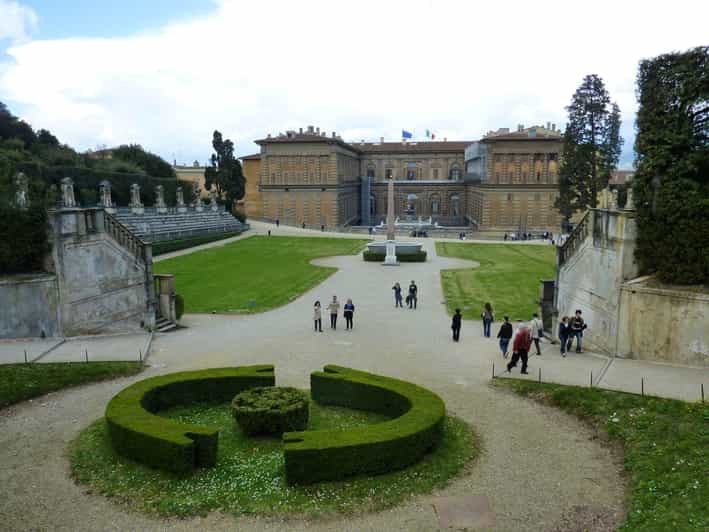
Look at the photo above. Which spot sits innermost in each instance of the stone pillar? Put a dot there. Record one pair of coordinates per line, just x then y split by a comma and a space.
105, 193
21, 194
68, 201
180, 200
213, 200
390, 258
630, 201
160, 199
135, 204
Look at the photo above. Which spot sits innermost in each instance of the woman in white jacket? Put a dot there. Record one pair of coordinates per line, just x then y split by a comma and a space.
537, 331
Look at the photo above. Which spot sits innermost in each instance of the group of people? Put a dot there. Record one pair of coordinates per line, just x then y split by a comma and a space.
334, 309
570, 328
412, 297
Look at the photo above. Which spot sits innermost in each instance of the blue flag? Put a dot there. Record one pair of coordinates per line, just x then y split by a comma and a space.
405, 134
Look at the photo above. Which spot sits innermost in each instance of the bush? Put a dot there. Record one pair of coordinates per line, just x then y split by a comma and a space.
270, 410
136, 431
25, 240
169, 246
179, 306
313, 456
371, 256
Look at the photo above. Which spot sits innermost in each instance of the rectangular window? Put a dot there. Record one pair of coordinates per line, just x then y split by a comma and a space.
537, 197
509, 197
435, 173
370, 172
389, 173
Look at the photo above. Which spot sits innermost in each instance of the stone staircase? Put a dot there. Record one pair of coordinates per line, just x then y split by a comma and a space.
164, 325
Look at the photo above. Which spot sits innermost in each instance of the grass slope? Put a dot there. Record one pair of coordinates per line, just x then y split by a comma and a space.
508, 277
249, 475
271, 271
19, 382
665, 443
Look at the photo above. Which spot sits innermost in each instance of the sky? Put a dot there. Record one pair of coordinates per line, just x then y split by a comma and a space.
166, 73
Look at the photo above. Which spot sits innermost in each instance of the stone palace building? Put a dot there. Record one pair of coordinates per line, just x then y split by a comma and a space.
507, 181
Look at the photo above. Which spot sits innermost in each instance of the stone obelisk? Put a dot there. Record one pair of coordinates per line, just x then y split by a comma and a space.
390, 258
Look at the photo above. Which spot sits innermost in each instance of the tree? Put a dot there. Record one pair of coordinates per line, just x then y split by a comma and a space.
225, 172
592, 145
671, 182
151, 164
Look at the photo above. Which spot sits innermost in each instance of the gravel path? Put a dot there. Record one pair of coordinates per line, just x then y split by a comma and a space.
539, 467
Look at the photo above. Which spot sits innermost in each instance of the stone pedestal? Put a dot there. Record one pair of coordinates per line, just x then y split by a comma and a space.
160, 205
136, 206
180, 200
390, 258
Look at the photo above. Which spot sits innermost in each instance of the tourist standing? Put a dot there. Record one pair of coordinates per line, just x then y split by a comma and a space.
456, 325
413, 295
505, 237
397, 295
520, 349
317, 316
334, 308
488, 317
504, 335
563, 334
537, 331
577, 326
349, 314
278, 222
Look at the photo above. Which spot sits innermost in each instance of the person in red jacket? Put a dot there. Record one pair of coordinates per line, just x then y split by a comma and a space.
520, 348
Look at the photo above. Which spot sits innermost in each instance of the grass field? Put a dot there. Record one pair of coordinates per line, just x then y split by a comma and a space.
665, 444
19, 382
254, 274
249, 475
508, 278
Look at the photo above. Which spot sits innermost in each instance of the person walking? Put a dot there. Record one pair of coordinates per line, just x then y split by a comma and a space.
520, 349
504, 335
334, 308
456, 325
317, 316
397, 295
488, 317
278, 222
413, 295
563, 334
537, 331
577, 327
349, 314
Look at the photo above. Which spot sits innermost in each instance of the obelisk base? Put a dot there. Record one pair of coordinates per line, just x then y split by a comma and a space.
390, 258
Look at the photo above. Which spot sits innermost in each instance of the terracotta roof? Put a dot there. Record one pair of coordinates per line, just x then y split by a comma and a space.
457, 146
530, 133
252, 157
304, 137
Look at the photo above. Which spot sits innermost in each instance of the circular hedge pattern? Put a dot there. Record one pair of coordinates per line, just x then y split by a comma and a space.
270, 410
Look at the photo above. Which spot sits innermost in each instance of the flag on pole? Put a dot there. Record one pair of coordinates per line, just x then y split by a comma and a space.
430, 134
406, 134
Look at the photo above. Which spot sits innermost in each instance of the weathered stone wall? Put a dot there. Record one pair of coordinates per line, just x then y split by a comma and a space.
29, 306
592, 277
663, 325
253, 206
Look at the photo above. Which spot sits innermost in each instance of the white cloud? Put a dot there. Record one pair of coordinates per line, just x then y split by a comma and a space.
364, 69
16, 21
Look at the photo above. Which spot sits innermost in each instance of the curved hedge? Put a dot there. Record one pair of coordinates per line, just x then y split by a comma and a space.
373, 256
137, 432
271, 410
312, 456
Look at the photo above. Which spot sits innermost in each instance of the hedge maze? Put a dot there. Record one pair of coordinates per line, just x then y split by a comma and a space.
415, 429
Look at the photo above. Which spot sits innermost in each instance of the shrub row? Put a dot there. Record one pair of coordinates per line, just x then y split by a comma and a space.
168, 246
138, 433
313, 456
371, 256
270, 410
25, 239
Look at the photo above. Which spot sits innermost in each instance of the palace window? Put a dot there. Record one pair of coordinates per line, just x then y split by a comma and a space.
509, 197
455, 173
370, 171
435, 173
552, 156
435, 204
455, 205
389, 173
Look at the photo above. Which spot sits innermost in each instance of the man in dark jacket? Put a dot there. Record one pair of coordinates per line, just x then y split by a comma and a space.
504, 335
520, 348
456, 325
413, 295
576, 327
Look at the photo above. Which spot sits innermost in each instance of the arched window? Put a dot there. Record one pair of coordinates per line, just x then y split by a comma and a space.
370, 171
372, 204
455, 205
435, 204
455, 173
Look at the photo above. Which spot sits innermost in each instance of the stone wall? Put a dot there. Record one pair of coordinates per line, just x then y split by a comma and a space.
29, 306
665, 325
253, 206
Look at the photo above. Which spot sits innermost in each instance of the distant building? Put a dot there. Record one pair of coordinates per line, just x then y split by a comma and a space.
251, 166
192, 173
621, 177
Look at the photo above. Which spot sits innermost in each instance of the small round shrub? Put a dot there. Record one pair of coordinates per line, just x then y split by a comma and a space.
270, 410
179, 306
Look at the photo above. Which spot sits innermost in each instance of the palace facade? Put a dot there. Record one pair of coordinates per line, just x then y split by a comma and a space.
505, 181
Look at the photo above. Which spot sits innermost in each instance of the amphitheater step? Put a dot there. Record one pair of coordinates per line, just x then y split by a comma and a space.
164, 325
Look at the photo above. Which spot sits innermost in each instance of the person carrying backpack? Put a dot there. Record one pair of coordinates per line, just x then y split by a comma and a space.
537, 331
504, 335
488, 317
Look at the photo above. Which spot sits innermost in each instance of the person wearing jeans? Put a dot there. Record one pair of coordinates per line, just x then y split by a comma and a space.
520, 348
317, 317
488, 317
577, 326
334, 308
349, 313
504, 335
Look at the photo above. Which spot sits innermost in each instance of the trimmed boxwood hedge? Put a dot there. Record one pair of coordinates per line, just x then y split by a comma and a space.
312, 456
371, 256
168, 246
137, 432
270, 410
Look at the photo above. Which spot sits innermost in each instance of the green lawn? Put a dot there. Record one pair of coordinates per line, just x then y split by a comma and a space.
508, 278
268, 271
249, 475
19, 382
666, 446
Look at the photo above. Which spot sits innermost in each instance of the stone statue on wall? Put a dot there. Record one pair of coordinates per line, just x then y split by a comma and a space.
160, 199
197, 191
630, 201
105, 192
21, 195
68, 200
180, 200
213, 200
135, 204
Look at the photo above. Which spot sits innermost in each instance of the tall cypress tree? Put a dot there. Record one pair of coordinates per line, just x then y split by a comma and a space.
225, 171
592, 145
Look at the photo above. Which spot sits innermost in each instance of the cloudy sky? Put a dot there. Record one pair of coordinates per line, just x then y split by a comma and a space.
166, 73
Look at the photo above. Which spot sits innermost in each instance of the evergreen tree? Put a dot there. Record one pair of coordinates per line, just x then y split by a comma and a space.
592, 145
225, 172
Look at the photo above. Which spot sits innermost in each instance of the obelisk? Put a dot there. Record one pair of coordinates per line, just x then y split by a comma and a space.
390, 258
